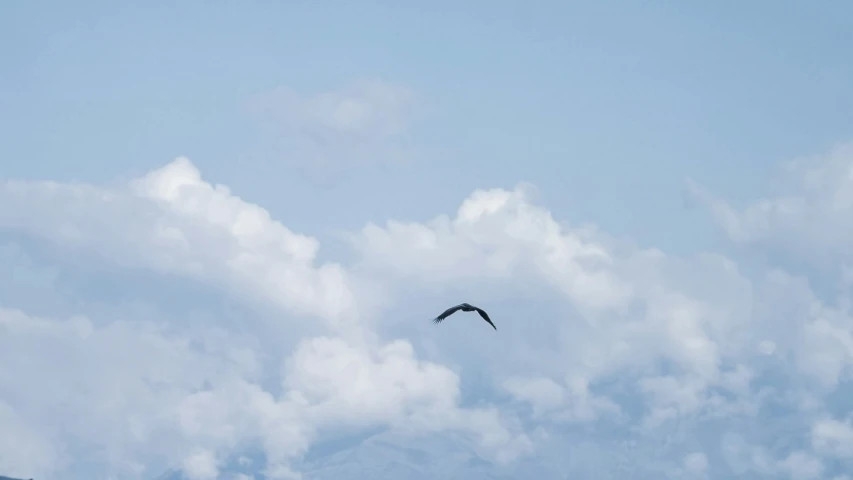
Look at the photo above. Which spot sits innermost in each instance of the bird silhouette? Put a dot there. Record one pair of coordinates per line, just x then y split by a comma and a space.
465, 307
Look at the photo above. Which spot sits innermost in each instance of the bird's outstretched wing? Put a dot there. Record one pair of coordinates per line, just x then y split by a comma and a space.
485, 317
450, 311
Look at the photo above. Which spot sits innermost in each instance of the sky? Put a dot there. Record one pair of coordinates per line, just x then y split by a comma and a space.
225, 228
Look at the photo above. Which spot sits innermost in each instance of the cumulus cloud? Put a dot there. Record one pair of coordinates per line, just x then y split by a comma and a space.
23, 450
640, 306
146, 390
73, 384
696, 463
572, 402
807, 214
497, 233
172, 221
201, 465
833, 437
634, 360
802, 466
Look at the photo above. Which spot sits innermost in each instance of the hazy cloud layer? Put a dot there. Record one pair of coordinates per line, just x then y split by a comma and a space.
364, 123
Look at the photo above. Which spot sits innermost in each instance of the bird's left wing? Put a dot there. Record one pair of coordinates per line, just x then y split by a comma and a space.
486, 317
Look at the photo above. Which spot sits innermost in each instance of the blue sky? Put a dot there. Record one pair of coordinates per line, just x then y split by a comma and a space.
377, 162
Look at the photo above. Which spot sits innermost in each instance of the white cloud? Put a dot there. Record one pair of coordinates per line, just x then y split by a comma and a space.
832, 437
172, 221
745, 458
24, 451
696, 463
767, 347
137, 390
144, 393
802, 466
331, 384
631, 343
264, 256
542, 393
201, 465
573, 403
497, 233
642, 305
808, 214
645, 306
113, 386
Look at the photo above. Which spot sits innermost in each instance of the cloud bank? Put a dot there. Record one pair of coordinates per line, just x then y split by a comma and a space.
609, 358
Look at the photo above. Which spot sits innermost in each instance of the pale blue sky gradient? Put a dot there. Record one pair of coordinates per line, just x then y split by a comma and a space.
606, 107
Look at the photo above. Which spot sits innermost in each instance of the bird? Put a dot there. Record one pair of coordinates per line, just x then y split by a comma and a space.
465, 307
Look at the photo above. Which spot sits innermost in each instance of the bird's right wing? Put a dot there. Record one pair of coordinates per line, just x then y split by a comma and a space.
450, 311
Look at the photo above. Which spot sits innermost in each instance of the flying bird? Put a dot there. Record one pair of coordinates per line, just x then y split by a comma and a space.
465, 307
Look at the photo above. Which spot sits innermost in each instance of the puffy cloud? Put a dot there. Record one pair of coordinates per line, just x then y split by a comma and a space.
573, 403
637, 306
172, 221
696, 463
802, 466
645, 306
497, 233
330, 384
687, 334
146, 395
639, 361
71, 383
542, 393
24, 451
150, 392
806, 219
201, 465
807, 214
745, 458
833, 437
